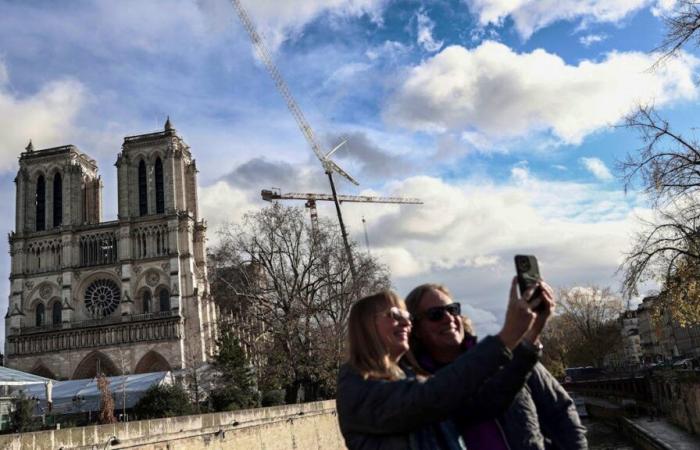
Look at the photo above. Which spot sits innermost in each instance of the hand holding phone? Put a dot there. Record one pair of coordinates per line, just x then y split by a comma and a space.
528, 272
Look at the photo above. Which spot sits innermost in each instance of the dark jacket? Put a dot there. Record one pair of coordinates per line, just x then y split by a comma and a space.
542, 415
387, 415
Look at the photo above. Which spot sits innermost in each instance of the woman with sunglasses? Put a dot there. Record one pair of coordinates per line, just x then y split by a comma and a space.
503, 414
383, 405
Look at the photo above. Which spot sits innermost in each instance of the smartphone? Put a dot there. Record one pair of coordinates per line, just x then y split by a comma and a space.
528, 272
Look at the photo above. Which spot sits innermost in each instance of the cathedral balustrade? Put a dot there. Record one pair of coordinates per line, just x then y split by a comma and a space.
43, 255
97, 248
150, 240
88, 334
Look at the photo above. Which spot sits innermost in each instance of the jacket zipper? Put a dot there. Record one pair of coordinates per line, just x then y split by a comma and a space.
503, 434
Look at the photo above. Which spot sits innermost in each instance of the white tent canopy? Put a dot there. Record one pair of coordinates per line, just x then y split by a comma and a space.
12, 377
78, 396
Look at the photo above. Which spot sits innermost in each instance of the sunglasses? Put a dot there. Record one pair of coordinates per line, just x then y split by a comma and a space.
437, 313
397, 314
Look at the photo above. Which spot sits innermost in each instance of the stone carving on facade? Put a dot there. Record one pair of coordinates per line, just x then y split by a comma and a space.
45, 291
152, 278
137, 269
59, 280
66, 304
165, 266
29, 284
77, 274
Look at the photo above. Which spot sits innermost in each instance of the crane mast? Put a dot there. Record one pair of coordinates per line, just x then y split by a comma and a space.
329, 166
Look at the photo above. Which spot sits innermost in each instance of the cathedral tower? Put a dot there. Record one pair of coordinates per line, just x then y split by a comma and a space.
129, 295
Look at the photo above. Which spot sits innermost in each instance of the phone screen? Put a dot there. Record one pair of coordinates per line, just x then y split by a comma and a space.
528, 272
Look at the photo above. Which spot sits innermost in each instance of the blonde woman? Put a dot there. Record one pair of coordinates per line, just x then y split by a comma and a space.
382, 405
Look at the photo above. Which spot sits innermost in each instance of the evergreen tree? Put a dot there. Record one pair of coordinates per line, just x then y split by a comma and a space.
21, 418
163, 401
237, 387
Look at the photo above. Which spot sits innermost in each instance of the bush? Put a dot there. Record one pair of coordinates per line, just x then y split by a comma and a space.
21, 419
273, 398
164, 401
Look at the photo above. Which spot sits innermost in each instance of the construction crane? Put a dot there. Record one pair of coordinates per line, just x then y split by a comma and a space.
329, 166
273, 194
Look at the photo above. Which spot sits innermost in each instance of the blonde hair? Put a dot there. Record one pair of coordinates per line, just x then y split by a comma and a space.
368, 353
413, 300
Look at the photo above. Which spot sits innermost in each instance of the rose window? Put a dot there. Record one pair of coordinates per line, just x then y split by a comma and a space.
102, 298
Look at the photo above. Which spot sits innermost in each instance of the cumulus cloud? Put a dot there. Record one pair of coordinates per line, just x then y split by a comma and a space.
598, 168
425, 33
46, 116
531, 15
220, 204
497, 93
466, 233
480, 225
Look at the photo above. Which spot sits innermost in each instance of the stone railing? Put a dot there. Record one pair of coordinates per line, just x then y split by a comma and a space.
94, 333
312, 426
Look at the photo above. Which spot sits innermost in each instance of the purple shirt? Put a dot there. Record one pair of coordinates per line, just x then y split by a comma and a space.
484, 435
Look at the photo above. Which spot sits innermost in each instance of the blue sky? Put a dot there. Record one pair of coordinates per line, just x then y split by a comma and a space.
500, 115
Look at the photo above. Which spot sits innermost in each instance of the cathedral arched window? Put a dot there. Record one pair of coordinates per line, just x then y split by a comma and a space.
164, 300
56, 313
57, 200
41, 203
39, 315
146, 301
143, 189
160, 194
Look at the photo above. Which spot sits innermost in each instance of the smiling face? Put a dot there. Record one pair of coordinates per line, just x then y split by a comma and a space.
441, 336
394, 327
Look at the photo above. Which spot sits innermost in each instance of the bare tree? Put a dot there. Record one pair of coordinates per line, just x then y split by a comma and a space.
667, 168
682, 26
287, 290
106, 400
585, 328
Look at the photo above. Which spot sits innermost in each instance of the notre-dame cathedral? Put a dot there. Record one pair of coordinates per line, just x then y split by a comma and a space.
125, 296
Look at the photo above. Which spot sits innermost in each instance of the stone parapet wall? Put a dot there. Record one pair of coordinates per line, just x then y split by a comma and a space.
303, 426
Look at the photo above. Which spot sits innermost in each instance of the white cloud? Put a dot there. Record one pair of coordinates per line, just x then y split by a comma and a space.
590, 39
390, 50
597, 168
531, 15
425, 33
501, 94
466, 233
220, 204
280, 20
46, 116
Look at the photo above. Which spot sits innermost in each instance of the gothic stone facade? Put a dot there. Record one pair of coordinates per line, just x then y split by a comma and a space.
126, 296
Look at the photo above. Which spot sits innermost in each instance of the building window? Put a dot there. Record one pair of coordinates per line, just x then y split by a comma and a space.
41, 204
143, 189
160, 196
39, 314
57, 200
102, 298
146, 302
164, 297
56, 313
